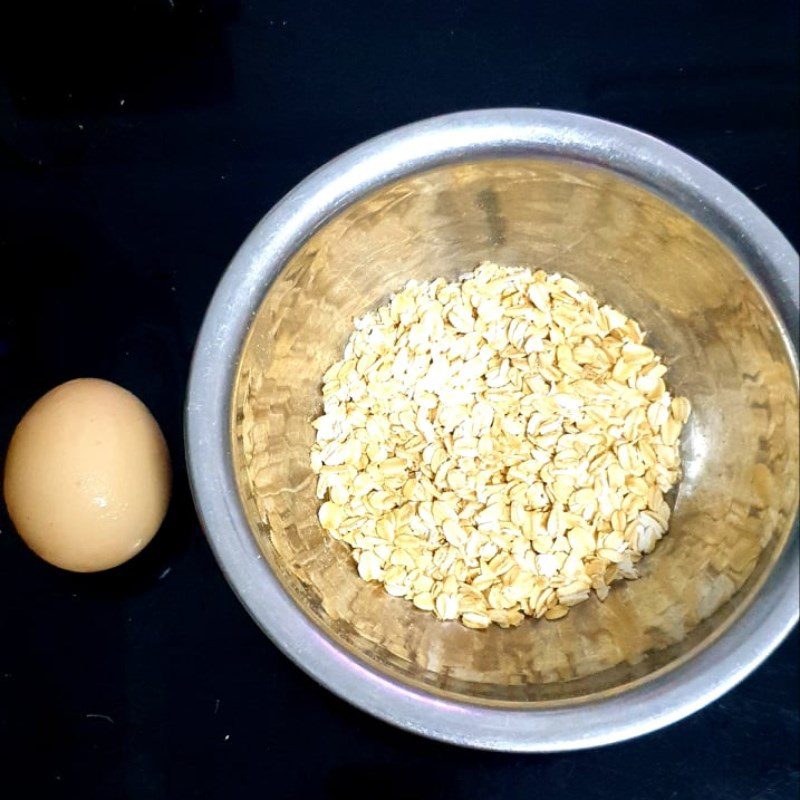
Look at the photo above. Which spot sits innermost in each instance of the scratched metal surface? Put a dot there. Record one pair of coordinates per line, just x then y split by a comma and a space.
734, 509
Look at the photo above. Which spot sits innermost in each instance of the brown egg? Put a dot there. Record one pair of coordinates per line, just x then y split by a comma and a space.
87, 476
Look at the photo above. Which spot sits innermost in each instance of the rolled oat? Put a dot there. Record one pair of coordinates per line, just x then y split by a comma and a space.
498, 446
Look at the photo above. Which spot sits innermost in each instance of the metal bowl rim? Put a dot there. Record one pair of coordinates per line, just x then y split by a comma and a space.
466, 136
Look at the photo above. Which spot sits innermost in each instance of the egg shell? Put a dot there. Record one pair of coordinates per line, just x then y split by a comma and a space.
87, 476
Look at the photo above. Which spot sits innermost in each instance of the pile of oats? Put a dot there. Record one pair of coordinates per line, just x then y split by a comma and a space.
497, 447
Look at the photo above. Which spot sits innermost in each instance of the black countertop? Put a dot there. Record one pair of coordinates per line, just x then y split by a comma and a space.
140, 143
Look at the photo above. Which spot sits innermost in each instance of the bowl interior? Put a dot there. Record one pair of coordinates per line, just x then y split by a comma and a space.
726, 351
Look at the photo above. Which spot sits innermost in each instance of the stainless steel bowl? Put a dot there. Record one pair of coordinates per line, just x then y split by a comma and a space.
646, 228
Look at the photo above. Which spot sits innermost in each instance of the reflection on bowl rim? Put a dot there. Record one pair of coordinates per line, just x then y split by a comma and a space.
663, 697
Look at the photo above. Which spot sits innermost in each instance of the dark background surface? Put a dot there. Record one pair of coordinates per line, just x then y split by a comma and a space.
139, 143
